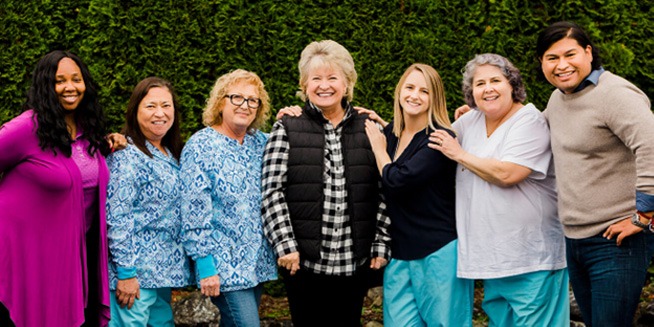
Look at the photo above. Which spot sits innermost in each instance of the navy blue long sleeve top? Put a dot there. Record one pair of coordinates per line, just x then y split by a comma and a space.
419, 190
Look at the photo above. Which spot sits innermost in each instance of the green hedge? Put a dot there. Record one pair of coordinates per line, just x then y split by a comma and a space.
192, 42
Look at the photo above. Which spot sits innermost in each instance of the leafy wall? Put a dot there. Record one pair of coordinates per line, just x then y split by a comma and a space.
192, 42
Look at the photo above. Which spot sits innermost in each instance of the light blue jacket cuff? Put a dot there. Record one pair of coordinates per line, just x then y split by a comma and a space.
206, 266
125, 272
644, 202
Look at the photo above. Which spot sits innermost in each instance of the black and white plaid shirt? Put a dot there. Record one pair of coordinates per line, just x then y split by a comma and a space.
337, 253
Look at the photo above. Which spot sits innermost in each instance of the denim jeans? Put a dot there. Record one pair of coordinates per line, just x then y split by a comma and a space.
607, 279
239, 308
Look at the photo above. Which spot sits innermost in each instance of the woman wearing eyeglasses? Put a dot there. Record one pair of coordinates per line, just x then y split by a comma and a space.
221, 199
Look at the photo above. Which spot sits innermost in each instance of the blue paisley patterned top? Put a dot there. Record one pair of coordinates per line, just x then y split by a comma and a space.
144, 220
221, 209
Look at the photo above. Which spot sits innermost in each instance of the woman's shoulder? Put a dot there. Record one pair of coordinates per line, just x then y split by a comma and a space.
200, 138
21, 128
260, 137
128, 156
25, 120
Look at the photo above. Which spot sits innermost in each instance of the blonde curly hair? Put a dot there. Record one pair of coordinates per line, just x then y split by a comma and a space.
213, 111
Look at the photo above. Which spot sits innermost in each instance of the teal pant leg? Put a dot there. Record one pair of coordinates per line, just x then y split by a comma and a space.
400, 305
161, 313
443, 299
533, 299
426, 292
151, 309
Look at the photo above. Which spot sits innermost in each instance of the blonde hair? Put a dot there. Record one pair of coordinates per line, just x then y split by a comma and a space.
437, 110
213, 111
331, 54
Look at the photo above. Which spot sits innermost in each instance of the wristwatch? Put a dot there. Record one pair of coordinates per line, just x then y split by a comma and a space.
635, 219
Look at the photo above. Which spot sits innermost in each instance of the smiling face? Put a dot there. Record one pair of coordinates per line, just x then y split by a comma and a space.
566, 64
156, 114
326, 87
239, 118
69, 84
491, 91
414, 96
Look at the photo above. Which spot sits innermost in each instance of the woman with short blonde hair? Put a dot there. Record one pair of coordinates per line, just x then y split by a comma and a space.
221, 202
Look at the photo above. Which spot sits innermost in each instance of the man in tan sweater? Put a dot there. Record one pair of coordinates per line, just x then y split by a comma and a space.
602, 132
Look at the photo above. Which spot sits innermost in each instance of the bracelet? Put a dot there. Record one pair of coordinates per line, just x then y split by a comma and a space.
642, 214
635, 219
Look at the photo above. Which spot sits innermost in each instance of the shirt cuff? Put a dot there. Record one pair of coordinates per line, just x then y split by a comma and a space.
644, 202
206, 267
286, 247
380, 250
125, 272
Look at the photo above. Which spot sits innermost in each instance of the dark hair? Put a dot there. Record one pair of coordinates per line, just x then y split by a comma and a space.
512, 74
560, 30
50, 115
173, 138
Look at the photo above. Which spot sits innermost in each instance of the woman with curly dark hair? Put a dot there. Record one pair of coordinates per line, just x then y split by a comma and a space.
53, 244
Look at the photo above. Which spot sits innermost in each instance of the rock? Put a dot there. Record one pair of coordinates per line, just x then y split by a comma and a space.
376, 296
275, 323
196, 310
374, 324
575, 312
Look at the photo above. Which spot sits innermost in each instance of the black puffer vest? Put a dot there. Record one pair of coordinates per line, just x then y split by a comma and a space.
304, 191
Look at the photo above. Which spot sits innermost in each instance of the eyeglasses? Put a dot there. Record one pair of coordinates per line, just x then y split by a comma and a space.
237, 100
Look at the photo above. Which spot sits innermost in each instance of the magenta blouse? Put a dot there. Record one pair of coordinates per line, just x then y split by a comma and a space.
53, 272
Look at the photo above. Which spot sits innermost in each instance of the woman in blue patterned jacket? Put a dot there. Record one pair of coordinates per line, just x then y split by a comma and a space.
146, 256
221, 202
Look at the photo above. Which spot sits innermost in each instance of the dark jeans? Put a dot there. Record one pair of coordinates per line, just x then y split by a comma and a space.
607, 279
322, 300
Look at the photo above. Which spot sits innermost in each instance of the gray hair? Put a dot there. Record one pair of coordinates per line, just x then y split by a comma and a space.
506, 67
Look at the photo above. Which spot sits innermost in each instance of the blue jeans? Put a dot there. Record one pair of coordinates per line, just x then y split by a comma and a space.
239, 308
607, 279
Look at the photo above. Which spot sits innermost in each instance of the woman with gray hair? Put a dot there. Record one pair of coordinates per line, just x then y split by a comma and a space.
509, 232
322, 207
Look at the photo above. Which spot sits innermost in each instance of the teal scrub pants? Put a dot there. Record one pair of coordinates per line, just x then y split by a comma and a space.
152, 309
533, 299
426, 291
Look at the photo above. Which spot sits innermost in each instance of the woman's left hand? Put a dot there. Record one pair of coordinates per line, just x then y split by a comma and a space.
444, 142
116, 141
377, 263
376, 137
210, 286
621, 230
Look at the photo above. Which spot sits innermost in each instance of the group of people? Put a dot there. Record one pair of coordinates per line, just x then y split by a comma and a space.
334, 197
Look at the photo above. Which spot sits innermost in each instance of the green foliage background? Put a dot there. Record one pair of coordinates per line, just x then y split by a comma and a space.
193, 42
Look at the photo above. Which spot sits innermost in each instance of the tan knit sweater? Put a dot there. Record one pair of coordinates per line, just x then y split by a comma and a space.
603, 147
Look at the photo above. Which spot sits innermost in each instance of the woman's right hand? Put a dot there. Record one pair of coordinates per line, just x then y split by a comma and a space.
290, 261
375, 136
293, 111
210, 286
127, 291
